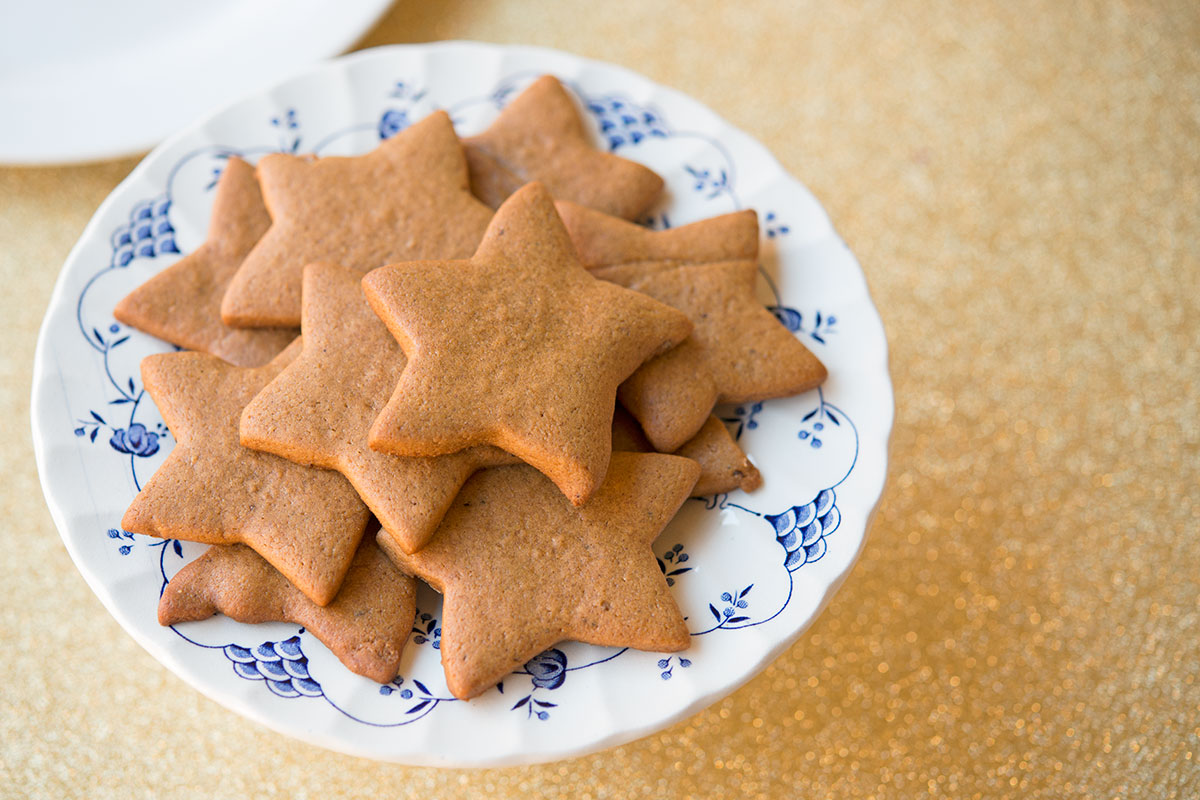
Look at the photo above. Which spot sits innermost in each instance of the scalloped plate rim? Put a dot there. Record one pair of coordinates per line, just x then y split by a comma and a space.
236, 700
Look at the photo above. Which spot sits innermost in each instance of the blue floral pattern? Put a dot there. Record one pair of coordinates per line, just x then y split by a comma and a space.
282, 666
801, 530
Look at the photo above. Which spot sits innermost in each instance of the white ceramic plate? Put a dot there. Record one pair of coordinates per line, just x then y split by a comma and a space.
750, 571
82, 80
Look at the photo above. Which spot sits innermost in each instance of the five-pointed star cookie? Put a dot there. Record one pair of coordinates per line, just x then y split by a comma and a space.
182, 304
540, 137
366, 625
723, 465
607, 241
407, 199
320, 408
521, 569
518, 347
305, 521
738, 352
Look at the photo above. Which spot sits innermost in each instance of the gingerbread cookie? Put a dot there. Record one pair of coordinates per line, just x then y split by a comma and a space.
519, 347
723, 465
606, 241
407, 199
319, 409
306, 522
365, 626
522, 569
738, 352
539, 136
182, 304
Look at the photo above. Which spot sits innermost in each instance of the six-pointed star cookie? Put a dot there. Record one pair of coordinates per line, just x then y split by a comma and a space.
606, 241
365, 626
521, 569
305, 521
320, 408
518, 347
738, 352
182, 304
540, 137
407, 199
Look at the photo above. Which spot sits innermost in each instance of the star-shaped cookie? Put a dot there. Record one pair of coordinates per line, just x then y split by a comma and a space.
518, 347
407, 199
723, 465
320, 408
522, 569
539, 136
305, 521
182, 304
606, 241
738, 352
366, 625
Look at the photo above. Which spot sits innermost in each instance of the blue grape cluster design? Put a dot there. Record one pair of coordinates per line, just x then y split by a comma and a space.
282, 665
801, 530
147, 234
623, 123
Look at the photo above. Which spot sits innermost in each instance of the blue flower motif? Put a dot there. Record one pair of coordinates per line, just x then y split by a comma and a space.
392, 122
549, 669
136, 441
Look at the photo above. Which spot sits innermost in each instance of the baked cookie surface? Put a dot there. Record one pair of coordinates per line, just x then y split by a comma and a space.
519, 347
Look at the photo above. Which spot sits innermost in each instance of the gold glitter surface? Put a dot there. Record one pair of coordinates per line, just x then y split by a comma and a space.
1020, 182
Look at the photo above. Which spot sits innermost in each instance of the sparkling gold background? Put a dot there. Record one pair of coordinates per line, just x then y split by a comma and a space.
1020, 182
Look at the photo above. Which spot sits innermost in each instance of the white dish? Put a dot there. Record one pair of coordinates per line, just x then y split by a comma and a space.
82, 80
750, 571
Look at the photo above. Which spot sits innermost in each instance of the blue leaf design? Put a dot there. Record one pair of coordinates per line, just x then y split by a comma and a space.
417, 707
98, 418
810, 414
177, 547
520, 703
546, 704
716, 614
745, 591
420, 686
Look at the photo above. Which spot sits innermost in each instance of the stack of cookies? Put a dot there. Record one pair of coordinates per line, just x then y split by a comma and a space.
407, 365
